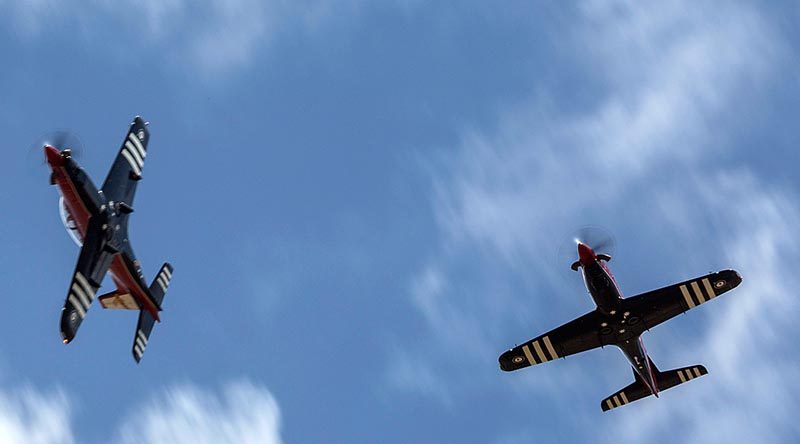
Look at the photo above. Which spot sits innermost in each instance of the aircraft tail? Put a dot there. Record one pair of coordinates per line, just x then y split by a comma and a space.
665, 380
158, 288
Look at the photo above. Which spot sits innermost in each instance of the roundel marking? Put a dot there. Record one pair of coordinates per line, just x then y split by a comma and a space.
517, 359
719, 284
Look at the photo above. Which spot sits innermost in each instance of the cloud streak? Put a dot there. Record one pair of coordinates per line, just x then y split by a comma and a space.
32, 417
641, 157
243, 413
213, 37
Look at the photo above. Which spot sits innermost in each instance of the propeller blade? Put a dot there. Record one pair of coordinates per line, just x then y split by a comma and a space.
59, 139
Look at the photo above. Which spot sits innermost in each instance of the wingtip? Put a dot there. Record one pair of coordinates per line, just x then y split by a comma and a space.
66, 338
513, 360
139, 120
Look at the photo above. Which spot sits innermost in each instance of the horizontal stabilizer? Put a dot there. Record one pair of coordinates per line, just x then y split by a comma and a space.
665, 380
144, 327
671, 378
158, 288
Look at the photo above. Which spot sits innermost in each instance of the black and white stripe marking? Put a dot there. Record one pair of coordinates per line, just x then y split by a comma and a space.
539, 351
697, 295
617, 400
687, 374
163, 278
134, 153
81, 294
140, 344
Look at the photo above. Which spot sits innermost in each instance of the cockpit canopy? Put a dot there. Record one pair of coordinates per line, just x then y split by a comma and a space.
69, 223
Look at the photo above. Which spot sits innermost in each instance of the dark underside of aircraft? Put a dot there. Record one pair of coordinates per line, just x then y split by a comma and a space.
620, 322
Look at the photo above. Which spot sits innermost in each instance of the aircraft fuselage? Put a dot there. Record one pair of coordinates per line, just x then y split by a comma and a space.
623, 327
83, 200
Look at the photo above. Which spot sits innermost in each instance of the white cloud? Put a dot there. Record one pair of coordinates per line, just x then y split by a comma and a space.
243, 413
642, 156
743, 340
31, 417
665, 93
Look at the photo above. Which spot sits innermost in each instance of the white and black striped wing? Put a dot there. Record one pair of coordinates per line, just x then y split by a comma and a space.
120, 185
657, 306
576, 336
93, 263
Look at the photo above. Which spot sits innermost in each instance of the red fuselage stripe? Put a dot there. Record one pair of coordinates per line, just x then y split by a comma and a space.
77, 209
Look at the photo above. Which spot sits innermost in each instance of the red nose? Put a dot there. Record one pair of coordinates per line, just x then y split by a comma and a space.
586, 254
53, 156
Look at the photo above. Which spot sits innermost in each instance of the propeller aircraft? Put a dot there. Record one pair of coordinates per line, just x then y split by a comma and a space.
97, 220
620, 322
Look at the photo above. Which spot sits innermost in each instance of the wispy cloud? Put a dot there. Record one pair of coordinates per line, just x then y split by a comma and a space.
242, 413
212, 37
641, 156
743, 341
33, 417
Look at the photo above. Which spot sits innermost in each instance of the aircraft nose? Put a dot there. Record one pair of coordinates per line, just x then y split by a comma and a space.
53, 156
585, 253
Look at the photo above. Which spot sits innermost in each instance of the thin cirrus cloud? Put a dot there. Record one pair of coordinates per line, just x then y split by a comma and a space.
245, 414
671, 76
242, 413
743, 339
211, 37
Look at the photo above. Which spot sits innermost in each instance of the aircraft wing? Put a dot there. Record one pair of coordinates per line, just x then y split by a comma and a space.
120, 184
657, 306
576, 336
93, 263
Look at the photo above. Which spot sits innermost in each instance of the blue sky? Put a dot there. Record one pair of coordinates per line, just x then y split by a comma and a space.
363, 202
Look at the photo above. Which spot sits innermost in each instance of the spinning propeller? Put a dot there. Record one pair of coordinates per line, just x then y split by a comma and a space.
62, 140
597, 238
